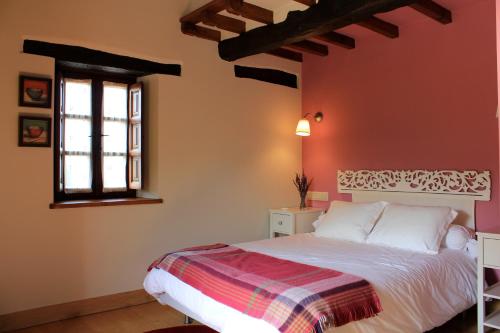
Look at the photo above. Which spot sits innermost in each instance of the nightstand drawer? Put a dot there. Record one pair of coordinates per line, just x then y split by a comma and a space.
290, 221
491, 252
282, 223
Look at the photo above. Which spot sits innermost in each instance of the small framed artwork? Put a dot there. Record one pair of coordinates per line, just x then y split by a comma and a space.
34, 131
35, 92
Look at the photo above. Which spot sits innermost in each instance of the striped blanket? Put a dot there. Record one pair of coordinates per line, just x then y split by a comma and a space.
292, 297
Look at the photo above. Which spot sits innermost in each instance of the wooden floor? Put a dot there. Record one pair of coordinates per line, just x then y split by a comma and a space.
134, 319
141, 318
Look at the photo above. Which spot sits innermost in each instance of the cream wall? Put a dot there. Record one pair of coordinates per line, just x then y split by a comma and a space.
221, 151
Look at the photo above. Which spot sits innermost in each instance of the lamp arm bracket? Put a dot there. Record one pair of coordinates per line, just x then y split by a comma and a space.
318, 116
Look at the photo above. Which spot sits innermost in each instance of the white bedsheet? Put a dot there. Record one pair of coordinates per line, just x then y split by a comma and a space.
418, 291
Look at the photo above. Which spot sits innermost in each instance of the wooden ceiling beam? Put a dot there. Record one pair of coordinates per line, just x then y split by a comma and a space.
309, 47
433, 10
249, 11
269, 75
332, 37
196, 16
201, 32
380, 26
325, 16
287, 54
307, 2
337, 39
224, 22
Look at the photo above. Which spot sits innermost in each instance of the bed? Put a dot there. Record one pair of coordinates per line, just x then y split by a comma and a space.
418, 291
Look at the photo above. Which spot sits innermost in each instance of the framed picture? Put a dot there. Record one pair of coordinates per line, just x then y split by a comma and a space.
35, 92
34, 131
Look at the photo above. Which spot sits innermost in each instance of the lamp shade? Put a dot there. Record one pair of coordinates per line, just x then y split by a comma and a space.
303, 128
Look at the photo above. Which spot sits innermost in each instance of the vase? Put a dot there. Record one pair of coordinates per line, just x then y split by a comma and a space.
303, 204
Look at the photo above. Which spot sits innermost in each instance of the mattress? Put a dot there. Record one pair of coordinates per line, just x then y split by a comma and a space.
418, 291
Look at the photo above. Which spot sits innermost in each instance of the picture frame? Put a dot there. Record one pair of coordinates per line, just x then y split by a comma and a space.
35, 91
34, 131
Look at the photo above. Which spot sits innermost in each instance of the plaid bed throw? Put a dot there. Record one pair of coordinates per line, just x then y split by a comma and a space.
293, 297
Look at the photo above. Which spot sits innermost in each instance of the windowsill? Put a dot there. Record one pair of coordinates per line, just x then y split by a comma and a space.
104, 202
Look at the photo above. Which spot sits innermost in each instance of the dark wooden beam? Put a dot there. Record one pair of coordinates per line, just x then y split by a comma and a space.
433, 10
109, 61
307, 2
380, 26
196, 16
325, 16
249, 11
337, 39
286, 54
224, 23
266, 75
309, 47
201, 32
332, 37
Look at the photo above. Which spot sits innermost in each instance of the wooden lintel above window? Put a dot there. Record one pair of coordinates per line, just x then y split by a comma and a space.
83, 55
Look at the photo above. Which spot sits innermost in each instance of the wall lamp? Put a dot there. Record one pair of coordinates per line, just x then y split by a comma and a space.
303, 127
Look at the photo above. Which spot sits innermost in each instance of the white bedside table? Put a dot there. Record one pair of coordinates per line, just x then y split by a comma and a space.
290, 221
489, 257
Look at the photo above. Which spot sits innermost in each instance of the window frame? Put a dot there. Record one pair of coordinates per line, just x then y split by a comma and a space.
97, 77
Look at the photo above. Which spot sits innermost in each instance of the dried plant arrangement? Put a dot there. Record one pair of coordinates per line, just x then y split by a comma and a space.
302, 184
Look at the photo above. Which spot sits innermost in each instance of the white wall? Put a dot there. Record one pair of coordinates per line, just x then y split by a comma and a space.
222, 150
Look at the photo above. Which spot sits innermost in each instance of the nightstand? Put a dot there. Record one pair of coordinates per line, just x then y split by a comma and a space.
489, 257
290, 221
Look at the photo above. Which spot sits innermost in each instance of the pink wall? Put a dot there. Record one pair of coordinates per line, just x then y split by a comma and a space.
424, 101
497, 2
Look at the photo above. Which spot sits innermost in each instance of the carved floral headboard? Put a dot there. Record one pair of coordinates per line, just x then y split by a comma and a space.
456, 189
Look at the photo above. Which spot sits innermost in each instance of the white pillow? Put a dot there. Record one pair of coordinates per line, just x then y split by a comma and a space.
415, 228
318, 221
472, 248
349, 221
457, 237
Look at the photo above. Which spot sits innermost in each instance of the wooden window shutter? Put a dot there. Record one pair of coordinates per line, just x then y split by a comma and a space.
135, 136
60, 136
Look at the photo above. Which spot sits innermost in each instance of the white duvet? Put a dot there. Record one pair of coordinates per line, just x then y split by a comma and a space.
418, 291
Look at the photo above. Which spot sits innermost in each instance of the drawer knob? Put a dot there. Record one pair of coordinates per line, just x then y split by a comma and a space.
280, 222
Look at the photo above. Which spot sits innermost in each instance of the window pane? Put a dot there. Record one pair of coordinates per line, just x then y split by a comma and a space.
135, 163
77, 135
114, 172
136, 137
115, 100
136, 104
77, 173
114, 169
115, 136
77, 97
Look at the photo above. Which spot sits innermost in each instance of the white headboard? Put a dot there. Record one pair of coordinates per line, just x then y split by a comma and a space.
456, 189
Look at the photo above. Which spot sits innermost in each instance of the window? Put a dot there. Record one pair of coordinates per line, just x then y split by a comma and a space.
98, 133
